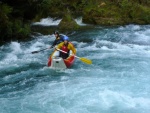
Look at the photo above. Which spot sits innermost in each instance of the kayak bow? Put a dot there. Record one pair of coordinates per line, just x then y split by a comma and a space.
57, 62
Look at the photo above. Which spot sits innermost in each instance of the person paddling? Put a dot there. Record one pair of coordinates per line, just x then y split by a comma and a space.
66, 46
58, 40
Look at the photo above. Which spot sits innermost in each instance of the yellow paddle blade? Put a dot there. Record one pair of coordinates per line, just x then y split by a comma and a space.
85, 60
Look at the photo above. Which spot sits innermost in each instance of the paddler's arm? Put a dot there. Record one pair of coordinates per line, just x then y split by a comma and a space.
59, 46
54, 43
72, 48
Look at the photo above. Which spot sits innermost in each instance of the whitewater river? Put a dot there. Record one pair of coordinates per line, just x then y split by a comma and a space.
118, 81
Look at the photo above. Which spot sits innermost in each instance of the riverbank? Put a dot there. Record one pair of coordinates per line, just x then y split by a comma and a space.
17, 16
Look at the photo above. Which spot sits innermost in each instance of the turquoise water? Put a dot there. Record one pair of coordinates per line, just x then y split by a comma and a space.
118, 81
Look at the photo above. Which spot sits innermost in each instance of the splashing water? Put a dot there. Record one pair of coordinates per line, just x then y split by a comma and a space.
50, 21
116, 82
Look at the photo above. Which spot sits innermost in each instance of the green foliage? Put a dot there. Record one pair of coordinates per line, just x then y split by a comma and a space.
125, 4
5, 9
5, 28
145, 16
68, 23
67, 17
19, 29
14, 17
115, 12
11, 27
141, 14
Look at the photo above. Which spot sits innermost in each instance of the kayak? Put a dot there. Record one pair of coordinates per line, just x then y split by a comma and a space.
55, 61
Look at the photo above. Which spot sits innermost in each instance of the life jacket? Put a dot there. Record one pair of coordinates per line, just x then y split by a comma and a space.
65, 48
58, 40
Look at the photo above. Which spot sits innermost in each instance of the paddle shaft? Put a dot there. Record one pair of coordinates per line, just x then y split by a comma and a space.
64, 51
85, 60
39, 50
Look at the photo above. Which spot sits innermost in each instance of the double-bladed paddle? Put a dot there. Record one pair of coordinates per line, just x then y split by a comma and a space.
85, 60
39, 50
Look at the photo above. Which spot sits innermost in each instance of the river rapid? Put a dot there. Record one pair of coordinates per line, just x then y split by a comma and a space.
118, 80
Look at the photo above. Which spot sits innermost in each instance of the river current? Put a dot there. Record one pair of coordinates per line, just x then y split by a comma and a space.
118, 80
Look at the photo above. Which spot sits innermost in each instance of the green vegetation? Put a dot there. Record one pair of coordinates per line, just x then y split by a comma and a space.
117, 12
16, 15
68, 23
11, 28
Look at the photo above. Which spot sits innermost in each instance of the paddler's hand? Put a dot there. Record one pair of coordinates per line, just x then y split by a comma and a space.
56, 48
73, 54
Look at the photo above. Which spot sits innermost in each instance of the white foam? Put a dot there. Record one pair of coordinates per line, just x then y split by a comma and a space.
48, 21
130, 27
16, 47
122, 100
110, 98
79, 21
109, 85
52, 21
11, 57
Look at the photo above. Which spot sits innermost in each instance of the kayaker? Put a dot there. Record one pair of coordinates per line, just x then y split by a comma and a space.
66, 46
58, 40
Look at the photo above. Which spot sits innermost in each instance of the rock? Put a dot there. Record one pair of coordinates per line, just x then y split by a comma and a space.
68, 23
